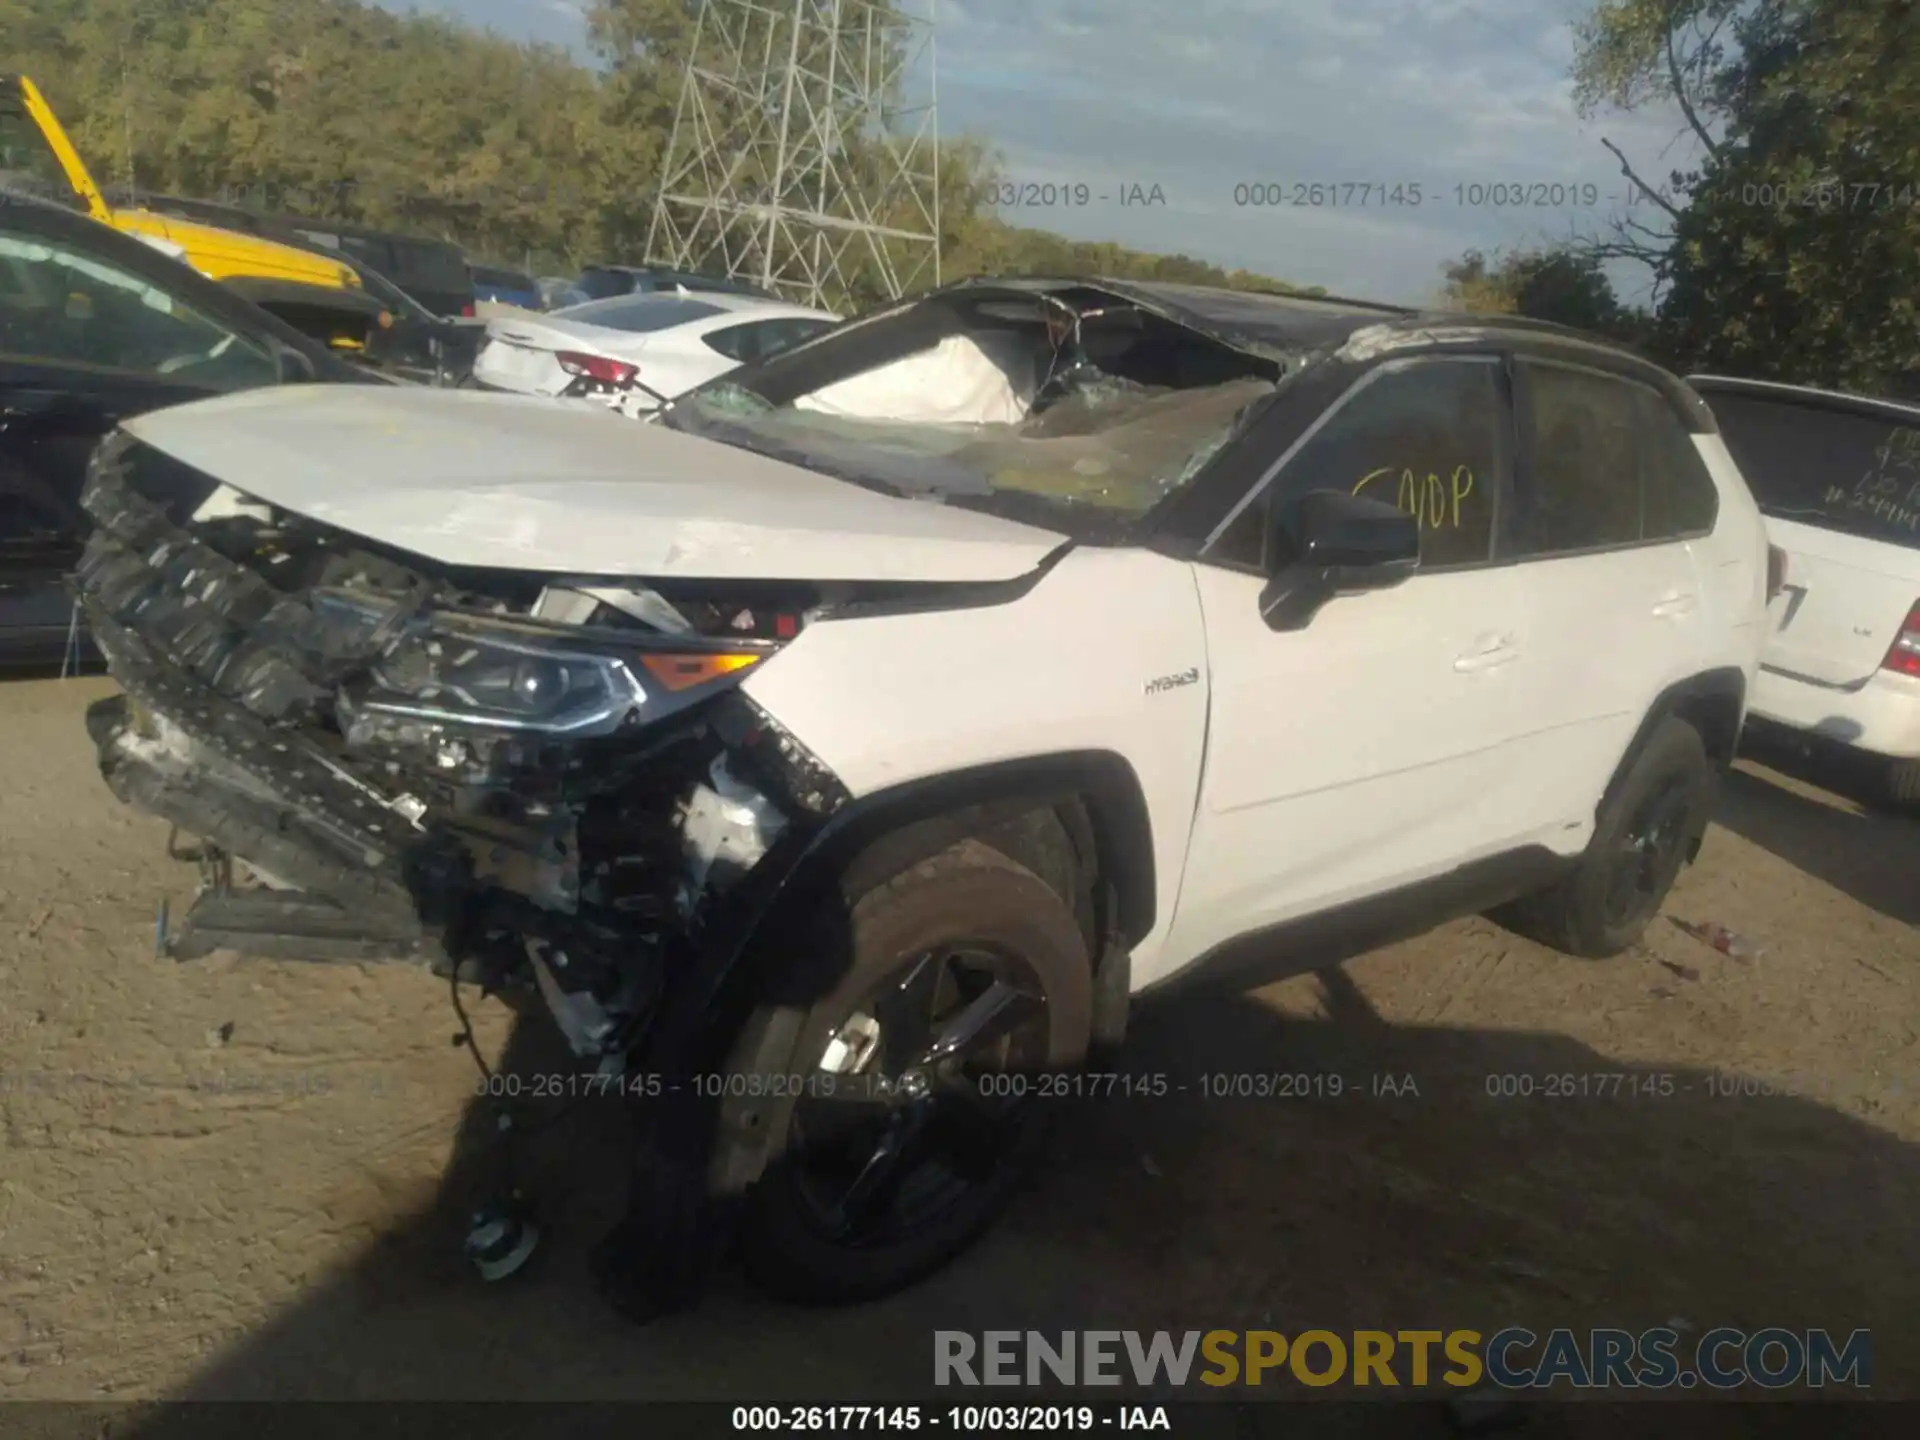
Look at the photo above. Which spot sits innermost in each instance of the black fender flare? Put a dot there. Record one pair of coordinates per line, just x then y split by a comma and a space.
1714, 702
741, 972
875, 837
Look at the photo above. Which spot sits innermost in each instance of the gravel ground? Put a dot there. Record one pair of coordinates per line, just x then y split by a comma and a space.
239, 1179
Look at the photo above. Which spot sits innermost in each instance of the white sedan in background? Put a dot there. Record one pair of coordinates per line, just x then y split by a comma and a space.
636, 352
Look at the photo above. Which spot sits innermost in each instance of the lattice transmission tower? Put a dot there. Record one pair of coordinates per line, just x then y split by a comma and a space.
804, 154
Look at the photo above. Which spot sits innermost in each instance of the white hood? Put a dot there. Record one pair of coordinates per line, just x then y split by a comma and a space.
524, 483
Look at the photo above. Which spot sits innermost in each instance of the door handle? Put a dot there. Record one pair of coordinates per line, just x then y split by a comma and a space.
1498, 650
1675, 602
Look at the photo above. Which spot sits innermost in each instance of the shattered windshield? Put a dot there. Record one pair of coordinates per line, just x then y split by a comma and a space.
1096, 411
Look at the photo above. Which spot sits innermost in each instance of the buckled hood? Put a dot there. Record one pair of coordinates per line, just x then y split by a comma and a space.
552, 486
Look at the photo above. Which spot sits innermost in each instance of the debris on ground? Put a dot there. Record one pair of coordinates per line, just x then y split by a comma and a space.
219, 1035
1685, 972
279, 1203
1719, 937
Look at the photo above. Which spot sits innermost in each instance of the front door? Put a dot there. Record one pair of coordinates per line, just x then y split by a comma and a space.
1364, 752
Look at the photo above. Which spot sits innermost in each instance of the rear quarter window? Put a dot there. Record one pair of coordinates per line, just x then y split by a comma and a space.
1609, 464
1819, 465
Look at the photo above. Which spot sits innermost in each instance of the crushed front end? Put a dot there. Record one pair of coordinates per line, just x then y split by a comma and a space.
515, 780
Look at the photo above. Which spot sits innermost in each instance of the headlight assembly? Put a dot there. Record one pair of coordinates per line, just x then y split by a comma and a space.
455, 671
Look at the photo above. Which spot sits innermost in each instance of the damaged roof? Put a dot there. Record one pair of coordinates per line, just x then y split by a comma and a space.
1250, 319
1271, 323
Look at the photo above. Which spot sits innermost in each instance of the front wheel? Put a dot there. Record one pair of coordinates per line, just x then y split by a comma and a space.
917, 1114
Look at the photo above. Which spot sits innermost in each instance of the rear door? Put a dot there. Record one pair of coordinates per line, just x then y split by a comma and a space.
1840, 487
1611, 495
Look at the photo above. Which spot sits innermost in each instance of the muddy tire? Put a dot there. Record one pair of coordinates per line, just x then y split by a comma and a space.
888, 1165
1645, 833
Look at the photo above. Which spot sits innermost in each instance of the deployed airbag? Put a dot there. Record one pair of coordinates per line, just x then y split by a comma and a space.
983, 379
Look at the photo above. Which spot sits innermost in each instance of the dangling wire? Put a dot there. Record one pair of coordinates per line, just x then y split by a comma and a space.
466, 1036
493, 1091
509, 1131
70, 661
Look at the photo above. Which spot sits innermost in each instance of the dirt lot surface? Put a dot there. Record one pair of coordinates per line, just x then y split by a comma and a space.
238, 1179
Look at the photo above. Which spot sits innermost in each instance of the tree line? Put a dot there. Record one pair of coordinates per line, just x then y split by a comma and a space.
1787, 251
518, 152
1791, 249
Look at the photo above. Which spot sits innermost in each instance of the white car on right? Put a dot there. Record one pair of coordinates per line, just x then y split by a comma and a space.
636, 352
1838, 478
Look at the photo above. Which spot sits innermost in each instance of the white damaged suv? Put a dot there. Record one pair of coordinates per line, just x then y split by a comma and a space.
870, 727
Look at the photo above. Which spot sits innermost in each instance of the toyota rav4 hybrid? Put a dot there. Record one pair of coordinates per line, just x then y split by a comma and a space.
874, 723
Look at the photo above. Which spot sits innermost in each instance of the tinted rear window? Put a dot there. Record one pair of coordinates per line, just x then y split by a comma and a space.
1821, 466
641, 313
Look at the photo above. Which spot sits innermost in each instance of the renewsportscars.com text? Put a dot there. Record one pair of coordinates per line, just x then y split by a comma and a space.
1513, 1358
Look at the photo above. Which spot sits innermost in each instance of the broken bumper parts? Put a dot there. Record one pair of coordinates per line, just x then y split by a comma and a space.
414, 768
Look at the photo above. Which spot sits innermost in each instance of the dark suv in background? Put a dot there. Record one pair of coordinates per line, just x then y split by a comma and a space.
97, 327
434, 272
410, 341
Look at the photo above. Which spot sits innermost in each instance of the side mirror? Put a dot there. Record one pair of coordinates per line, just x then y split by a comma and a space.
1328, 543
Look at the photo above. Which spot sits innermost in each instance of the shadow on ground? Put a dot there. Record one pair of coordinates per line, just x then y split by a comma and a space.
1412, 1198
1871, 853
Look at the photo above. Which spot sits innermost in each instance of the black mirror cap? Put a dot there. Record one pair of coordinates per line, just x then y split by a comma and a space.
1329, 543
1332, 530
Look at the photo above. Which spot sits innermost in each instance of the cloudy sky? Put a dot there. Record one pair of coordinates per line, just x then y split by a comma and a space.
1113, 94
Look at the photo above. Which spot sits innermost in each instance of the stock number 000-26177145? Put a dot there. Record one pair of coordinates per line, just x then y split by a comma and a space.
959, 1419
